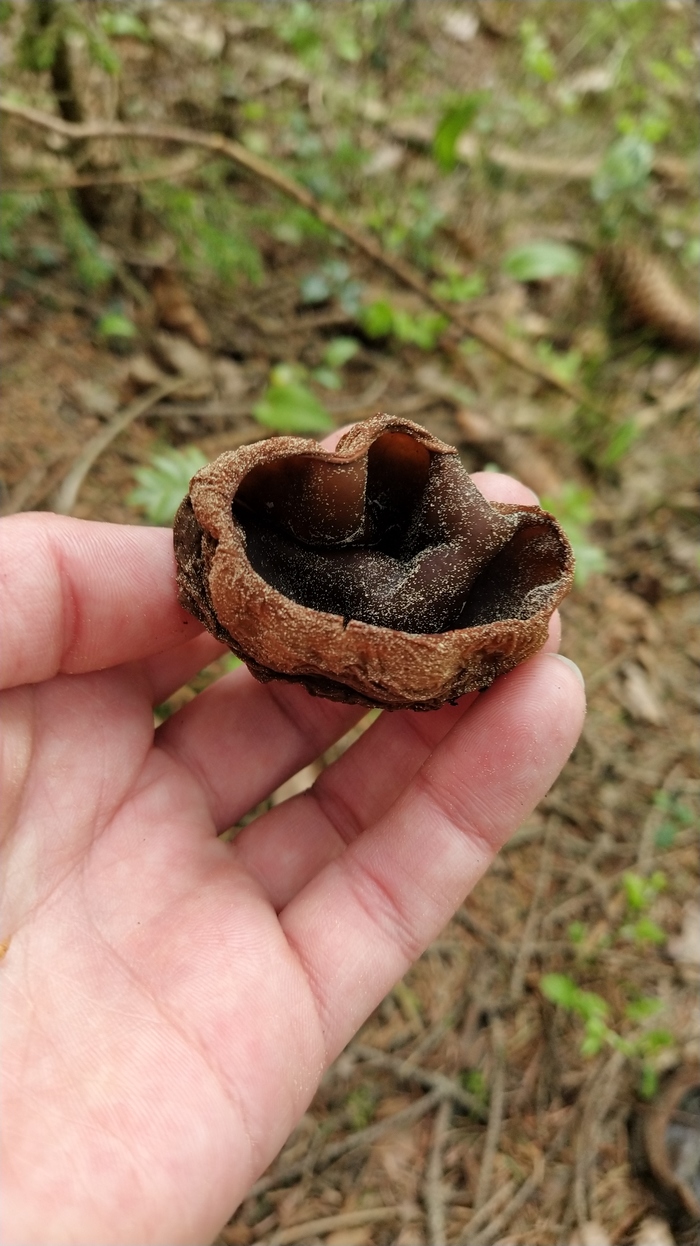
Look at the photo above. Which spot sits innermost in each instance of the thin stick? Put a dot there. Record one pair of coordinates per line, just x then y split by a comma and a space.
496, 1226
527, 944
364, 1137
67, 492
344, 1220
482, 1217
424, 1077
493, 1230
434, 1190
600, 1095
478, 328
493, 1131
162, 172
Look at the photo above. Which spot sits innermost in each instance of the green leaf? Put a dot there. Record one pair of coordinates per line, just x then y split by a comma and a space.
164, 482
377, 319
422, 331
537, 57
101, 52
14, 211
596, 1035
339, 350
456, 118
647, 931
655, 1040
94, 268
572, 507
115, 324
459, 289
625, 166
288, 406
360, 1107
542, 259
640, 1009
624, 436
123, 24
577, 931
648, 1082
327, 377
559, 989
315, 288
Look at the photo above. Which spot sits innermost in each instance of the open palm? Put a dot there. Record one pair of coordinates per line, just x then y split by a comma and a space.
171, 1000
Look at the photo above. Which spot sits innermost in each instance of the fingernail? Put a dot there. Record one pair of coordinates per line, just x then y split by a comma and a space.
572, 666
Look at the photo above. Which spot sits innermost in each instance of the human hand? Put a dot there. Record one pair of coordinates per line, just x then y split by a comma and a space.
170, 1000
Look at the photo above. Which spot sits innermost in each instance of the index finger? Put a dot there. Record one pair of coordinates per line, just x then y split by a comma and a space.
81, 596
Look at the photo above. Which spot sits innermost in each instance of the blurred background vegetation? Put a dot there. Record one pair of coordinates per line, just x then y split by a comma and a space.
484, 216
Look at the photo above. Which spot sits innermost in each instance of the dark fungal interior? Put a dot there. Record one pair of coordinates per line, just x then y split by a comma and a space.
400, 538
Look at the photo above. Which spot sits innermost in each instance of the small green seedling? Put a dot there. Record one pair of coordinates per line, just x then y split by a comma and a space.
572, 507
456, 118
594, 1011
380, 319
337, 353
677, 816
288, 405
640, 894
541, 260
163, 483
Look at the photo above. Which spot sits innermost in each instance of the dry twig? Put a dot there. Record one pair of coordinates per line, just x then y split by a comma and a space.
598, 1102
482, 1217
495, 1226
165, 172
493, 1131
434, 1189
477, 327
364, 1137
344, 1220
67, 492
529, 935
424, 1077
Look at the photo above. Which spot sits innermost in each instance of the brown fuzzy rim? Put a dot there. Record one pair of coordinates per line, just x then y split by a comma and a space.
353, 661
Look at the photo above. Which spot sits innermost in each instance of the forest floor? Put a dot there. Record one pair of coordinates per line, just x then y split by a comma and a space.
485, 1101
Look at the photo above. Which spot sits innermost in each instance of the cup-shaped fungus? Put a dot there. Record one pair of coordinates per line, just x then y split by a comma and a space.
375, 573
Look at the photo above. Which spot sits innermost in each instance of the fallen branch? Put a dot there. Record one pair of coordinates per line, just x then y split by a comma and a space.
493, 1131
434, 1189
159, 173
528, 939
569, 169
443, 1085
479, 328
364, 1137
343, 1220
67, 493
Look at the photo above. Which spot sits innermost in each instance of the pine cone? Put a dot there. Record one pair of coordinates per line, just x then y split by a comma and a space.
650, 296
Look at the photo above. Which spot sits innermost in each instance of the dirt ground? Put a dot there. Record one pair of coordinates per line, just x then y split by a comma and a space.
466, 1109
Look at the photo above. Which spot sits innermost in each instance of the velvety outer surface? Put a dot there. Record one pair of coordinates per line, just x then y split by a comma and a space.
375, 573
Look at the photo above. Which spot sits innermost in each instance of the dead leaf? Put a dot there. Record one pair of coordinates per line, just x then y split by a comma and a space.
144, 372
685, 947
638, 697
229, 377
460, 25
590, 1234
653, 1231
182, 356
95, 399
175, 307
387, 157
